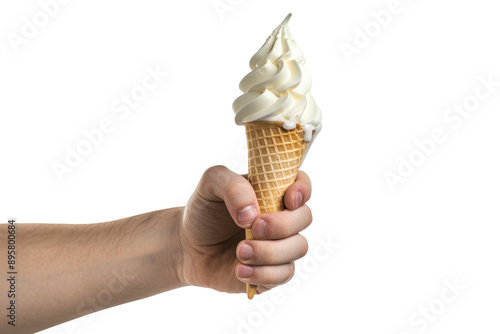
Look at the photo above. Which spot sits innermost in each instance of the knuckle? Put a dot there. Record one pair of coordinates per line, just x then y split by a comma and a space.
309, 215
304, 246
290, 272
308, 181
212, 173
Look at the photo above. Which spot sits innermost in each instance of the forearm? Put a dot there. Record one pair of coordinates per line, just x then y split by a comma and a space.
67, 271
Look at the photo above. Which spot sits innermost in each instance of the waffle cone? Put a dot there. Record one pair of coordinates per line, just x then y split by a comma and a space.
274, 158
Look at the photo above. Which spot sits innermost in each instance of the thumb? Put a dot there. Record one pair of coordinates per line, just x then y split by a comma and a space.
219, 183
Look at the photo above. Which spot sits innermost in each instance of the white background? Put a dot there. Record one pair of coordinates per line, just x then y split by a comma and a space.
397, 248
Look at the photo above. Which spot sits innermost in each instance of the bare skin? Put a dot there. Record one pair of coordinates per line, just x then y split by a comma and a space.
67, 271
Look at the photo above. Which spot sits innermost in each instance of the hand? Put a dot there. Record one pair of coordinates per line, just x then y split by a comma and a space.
215, 254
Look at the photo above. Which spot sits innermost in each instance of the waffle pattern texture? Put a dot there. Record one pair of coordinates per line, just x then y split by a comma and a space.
274, 158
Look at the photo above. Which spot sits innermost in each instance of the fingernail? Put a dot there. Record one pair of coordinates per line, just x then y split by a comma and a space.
245, 271
245, 252
297, 199
247, 215
260, 229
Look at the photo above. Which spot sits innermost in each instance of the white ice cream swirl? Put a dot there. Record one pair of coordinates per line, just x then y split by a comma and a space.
278, 87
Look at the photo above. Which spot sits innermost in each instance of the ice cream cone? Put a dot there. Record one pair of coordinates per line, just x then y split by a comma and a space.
280, 116
274, 158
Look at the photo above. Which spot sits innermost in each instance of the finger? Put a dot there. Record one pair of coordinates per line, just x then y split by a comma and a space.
267, 252
265, 275
219, 183
299, 192
279, 225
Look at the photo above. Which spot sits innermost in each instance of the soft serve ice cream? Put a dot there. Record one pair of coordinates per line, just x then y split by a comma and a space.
278, 87
281, 120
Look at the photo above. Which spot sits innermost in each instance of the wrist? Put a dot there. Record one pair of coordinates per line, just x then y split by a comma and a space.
170, 256
150, 248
